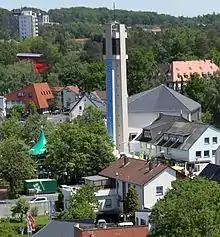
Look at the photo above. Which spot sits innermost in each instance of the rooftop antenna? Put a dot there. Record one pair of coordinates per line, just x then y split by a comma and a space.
114, 16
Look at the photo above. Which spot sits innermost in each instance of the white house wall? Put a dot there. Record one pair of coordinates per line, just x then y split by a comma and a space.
165, 178
138, 189
173, 153
79, 108
200, 145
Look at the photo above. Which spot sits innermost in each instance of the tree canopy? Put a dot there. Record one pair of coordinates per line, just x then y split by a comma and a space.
81, 147
16, 164
83, 204
190, 208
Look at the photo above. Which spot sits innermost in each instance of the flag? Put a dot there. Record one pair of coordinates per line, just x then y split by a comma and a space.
30, 224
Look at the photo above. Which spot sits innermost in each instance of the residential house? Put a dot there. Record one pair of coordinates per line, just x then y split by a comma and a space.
77, 108
190, 143
66, 95
143, 108
212, 172
150, 179
39, 93
181, 71
106, 195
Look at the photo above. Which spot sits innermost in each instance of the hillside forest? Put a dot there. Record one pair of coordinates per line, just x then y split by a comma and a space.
76, 62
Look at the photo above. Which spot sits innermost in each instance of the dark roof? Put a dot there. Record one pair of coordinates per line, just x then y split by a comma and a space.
190, 131
173, 126
159, 126
211, 171
57, 229
161, 99
135, 171
61, 228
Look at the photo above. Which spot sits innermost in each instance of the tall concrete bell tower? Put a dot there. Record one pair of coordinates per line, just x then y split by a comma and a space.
114, 51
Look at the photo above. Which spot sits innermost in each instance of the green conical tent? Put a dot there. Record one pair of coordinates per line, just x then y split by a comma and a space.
40, 147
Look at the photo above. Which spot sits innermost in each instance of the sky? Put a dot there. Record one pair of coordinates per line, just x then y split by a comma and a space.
173, 7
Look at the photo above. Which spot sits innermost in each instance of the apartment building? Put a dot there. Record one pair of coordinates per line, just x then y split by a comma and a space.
28, 24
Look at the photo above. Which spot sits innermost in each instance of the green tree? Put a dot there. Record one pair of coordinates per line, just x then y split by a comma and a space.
20, 209
131, 203
17, 111
10, 127
16, 164
73, 145
207, 117
31, 108
32, 127
190, 208
83, 204
141, 65
6, 230
24, 73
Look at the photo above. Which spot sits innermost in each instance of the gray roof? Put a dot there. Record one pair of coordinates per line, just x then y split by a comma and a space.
62, 228
173, 126
95, 178
191, 132
57, 229
161, 99
159, 126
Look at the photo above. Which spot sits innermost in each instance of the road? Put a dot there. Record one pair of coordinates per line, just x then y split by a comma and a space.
50, 197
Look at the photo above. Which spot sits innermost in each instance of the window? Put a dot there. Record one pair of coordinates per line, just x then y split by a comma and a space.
143, 222
198, 153
214, 140
29, 94
213, 152
80, 107
206, 140
190, 68
108, 202
159, 190
206, 153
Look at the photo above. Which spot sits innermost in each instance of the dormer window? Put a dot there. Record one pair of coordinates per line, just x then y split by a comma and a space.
173, 138
180, 139
147, 134
166, 137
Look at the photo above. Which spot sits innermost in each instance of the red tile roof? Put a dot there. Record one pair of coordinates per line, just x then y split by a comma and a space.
38, 93
73, 88
191, 67
57, 88
60, 88
136, 171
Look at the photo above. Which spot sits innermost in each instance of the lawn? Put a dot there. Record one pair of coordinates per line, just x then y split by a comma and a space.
12, 226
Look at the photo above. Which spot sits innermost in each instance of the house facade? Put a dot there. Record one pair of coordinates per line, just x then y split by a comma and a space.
66, 95
151, 180
39, 94
191, 144
106, 195
77, 108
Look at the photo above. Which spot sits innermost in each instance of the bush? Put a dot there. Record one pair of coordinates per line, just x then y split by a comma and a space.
34, 211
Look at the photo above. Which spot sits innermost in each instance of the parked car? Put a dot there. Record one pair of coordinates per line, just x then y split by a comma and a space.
38, 200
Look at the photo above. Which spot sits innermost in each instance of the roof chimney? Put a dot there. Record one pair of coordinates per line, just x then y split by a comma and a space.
125, 159
151, 165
